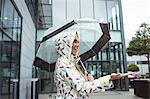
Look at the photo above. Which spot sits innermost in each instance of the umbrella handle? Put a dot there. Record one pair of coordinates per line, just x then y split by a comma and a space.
85, 71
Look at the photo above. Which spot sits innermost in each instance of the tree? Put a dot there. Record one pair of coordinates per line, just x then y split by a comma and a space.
140, 44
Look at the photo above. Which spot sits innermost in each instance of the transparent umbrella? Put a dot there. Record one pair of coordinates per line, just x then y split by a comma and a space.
92, 36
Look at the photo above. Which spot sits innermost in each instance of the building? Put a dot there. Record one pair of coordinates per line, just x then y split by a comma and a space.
17, 49
22, 22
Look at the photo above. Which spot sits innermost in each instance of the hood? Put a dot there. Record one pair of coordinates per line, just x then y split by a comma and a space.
64, 44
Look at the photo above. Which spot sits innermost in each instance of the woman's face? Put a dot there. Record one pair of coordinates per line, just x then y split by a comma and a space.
75, 45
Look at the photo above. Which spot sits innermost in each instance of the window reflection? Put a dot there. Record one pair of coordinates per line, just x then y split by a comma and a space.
110, 59
100, 10
113, 14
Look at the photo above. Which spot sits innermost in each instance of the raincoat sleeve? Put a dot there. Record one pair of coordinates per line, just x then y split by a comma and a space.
73, 77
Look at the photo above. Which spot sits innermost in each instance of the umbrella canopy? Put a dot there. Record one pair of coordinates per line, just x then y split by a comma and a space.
92, 36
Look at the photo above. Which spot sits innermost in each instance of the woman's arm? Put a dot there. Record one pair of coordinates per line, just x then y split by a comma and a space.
76, 81
119, 75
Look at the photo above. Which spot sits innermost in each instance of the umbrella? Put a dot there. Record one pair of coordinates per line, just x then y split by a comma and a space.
93, 35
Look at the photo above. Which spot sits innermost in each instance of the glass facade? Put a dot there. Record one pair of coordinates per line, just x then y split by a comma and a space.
113, 14
10, 44
108, 60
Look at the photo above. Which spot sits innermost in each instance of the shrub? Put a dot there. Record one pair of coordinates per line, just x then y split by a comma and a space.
133, 67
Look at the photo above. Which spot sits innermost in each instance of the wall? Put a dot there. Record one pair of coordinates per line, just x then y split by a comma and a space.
27, 50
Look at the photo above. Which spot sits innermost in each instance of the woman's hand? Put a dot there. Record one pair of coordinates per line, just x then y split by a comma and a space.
90, 77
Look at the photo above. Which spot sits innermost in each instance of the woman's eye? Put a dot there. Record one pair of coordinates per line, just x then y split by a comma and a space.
76, 41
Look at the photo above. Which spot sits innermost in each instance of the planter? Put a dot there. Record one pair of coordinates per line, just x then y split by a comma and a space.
141, 87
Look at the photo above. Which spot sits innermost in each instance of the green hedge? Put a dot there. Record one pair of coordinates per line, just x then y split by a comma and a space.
133, 67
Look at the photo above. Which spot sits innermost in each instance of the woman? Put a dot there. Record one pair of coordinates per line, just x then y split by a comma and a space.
71, 83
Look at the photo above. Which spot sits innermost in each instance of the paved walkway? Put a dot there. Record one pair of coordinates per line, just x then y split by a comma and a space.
103, 95
115, 95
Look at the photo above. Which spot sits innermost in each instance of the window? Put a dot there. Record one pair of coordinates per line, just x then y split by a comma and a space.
10, 37
113, 14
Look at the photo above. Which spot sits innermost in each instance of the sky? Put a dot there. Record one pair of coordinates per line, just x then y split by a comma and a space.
135, 12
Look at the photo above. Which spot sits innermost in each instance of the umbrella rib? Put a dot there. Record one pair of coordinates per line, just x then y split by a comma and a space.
58, 31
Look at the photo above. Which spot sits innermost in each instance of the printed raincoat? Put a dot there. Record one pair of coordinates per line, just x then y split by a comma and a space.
70, 82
